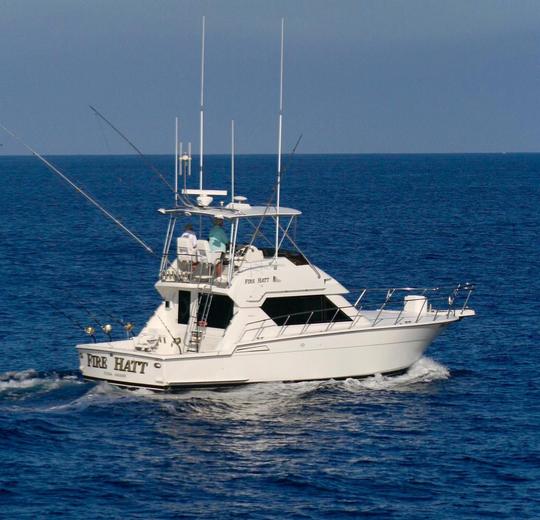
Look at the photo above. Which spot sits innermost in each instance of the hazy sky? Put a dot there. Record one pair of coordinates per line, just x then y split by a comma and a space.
360, 76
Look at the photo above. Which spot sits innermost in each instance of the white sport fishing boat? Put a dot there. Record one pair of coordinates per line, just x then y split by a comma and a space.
267, 317
257, 313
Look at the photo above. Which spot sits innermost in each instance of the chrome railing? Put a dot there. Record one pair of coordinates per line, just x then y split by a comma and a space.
371, 306
197, 273
194, 271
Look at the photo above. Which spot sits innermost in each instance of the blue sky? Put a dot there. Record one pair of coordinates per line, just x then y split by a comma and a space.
360, 76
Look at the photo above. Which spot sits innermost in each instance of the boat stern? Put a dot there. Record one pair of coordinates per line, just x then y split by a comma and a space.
119, 364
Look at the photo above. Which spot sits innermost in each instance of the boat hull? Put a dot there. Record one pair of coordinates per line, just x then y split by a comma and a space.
356, 353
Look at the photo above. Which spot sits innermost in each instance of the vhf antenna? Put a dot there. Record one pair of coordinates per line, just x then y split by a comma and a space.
280, 138
175, 161
232, 161
201, 147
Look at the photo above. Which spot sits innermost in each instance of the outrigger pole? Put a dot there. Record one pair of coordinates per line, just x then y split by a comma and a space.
145, 160
142, 156
93, 201
280, 139
201, 146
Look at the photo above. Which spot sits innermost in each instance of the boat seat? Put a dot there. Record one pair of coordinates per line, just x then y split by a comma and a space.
205, 255
207, 259
185, 250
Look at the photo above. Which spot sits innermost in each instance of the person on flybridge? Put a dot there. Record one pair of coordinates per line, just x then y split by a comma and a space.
218, 242
190, 234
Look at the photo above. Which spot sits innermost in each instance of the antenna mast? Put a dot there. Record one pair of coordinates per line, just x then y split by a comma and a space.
201, 147
175, 161
232, 161
280, 135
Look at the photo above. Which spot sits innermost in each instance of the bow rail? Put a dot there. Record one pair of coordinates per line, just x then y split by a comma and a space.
373, 307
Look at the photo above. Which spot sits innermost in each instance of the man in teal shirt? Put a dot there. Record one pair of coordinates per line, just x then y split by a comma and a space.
218, 241
217, 238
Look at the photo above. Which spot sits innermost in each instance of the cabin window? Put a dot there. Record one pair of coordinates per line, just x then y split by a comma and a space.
294, 256
216, 310
184, 302
298, 310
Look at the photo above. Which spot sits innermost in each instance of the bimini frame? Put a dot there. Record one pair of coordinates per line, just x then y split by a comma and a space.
235, 216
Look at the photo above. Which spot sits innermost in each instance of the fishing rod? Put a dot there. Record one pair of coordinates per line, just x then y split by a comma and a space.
103, 134
143, 157
88, 197
185, 200
105, 327
289, 160
276, 187
127, 326
267, 206
176, 341
88, 329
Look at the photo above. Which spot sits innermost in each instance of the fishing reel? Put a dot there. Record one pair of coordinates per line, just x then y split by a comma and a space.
91, 331
107, 329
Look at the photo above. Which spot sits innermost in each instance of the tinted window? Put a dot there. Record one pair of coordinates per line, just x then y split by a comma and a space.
217, 308
184, 300
294, 256
297, 310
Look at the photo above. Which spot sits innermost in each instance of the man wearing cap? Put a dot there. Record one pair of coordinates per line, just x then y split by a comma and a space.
218, 241
217, 238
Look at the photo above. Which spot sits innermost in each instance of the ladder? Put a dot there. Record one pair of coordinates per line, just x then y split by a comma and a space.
199, 322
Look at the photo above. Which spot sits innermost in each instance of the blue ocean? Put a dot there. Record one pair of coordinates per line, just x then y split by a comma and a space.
457, 436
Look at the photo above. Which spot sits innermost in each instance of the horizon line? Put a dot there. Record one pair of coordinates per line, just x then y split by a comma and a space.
274, 154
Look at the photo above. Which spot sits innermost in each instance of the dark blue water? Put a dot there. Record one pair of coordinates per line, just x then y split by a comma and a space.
458, 436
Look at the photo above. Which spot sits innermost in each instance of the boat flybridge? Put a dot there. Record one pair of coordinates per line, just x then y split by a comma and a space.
256, 309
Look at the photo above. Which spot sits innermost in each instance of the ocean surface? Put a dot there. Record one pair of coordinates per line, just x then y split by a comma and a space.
458, 436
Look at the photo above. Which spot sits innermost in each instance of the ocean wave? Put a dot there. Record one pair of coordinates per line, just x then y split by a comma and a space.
98, 395
271, 400
32, 379
424, 371
259, 399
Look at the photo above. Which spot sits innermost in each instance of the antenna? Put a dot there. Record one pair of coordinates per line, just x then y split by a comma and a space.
181, 167
280, 138
202, 108
175, 161
232, 161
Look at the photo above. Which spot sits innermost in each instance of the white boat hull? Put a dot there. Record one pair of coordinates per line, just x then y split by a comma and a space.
343, 354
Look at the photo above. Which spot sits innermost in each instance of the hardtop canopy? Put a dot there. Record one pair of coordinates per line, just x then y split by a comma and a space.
232, 213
